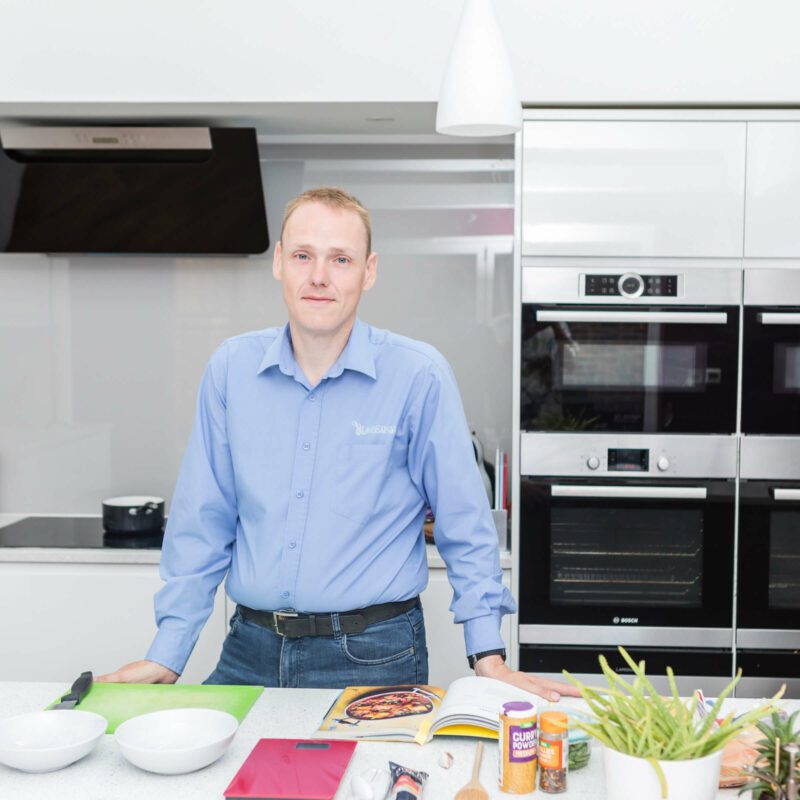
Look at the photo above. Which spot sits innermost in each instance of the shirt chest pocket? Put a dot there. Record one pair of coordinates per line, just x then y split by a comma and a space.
361, 476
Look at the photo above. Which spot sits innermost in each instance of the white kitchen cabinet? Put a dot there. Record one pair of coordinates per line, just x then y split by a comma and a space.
772, 211
59, 619
447, 657
633, 188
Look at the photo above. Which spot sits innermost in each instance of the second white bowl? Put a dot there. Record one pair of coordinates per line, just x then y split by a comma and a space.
43, 741
177, 740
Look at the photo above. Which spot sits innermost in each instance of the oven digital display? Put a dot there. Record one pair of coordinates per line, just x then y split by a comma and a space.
628, 460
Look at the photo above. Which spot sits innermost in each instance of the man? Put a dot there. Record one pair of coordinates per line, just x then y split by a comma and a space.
314, 452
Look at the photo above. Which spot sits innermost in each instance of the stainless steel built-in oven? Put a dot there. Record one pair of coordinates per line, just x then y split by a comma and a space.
627, 539
771, 353
655, 351
768, 606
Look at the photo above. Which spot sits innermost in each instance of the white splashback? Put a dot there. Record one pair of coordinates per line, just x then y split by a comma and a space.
100, 356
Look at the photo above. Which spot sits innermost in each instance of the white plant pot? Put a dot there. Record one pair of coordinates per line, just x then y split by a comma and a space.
632, 778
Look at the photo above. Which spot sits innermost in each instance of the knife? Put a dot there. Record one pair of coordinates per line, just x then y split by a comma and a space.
78, 691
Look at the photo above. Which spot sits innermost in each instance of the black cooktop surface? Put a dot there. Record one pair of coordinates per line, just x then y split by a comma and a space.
73, 532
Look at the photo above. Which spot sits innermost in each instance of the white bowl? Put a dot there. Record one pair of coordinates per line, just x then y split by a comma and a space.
43, 741
177, 740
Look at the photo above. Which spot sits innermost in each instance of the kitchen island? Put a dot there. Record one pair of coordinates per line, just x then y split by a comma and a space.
293, 713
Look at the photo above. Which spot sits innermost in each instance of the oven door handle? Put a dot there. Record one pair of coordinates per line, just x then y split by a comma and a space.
779, 318
667, 317
787, 495
634, 492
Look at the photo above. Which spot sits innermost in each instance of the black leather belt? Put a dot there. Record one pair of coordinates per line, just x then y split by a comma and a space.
294, 625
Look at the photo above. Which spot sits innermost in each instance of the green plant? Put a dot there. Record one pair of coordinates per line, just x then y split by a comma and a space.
771, 772
634, 719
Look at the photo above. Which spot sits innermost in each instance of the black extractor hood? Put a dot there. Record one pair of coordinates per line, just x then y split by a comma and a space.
129, 190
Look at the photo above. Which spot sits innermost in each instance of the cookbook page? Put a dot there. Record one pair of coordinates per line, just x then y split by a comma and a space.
475, 701
382, 713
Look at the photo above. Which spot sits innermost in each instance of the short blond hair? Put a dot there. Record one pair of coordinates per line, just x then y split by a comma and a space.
335, 198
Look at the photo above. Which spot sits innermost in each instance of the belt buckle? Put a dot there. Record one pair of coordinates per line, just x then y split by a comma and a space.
277, 616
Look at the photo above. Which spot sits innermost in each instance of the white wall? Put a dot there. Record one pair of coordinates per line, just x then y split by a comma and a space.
101, 356
565, 51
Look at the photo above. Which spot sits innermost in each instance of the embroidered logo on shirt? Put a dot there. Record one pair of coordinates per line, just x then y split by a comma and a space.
366, 430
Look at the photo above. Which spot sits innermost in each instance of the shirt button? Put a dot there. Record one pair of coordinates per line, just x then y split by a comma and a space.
284, 594
292, 545
312, 397
306, 445
298, 495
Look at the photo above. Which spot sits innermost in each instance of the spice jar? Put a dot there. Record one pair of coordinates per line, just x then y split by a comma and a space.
553, 751
518, 747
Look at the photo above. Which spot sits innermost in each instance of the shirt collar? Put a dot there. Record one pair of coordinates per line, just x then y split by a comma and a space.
357, 354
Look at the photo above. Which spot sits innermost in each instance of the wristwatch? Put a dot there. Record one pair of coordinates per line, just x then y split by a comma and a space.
473, 659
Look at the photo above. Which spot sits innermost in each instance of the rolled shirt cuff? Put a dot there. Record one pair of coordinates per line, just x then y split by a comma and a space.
482, 634
171, 650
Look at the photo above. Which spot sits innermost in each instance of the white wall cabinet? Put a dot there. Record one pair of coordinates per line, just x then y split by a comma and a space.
447, 657
633, 188
772, 212
60, 619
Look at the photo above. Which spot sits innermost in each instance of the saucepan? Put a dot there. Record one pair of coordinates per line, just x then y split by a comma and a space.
133, 514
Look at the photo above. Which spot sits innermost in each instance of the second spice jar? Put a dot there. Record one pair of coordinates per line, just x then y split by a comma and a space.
553, 751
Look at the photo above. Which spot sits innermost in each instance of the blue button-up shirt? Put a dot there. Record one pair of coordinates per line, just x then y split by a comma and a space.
313, 498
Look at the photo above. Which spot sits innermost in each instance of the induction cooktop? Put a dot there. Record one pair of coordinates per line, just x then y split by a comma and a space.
73, 533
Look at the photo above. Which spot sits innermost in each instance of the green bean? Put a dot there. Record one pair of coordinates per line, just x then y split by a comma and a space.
631, 717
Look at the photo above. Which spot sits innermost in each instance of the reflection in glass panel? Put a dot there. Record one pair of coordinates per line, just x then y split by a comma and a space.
627, 366
787, 368
626, 557
784, 560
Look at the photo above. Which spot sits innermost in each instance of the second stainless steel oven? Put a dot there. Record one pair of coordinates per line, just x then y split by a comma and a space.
771, 356
628, 539
768, 608
612, 350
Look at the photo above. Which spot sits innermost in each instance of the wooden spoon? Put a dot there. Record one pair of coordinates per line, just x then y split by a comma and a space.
473, 790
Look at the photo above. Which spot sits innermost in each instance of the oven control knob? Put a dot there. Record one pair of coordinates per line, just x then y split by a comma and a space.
593, 462
631, 285
663, 463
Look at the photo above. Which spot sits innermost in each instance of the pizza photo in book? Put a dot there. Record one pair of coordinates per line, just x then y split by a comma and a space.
469, 707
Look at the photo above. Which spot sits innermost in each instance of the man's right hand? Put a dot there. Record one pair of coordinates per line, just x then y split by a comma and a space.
140, 672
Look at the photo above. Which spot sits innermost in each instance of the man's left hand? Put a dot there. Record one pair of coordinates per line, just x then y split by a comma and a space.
495, 667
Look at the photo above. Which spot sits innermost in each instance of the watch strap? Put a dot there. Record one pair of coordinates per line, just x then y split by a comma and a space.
473, 659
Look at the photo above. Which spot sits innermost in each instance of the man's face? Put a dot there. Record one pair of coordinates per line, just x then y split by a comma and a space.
323, 264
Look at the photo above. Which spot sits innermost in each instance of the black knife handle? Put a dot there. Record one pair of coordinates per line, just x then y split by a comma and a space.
79, 688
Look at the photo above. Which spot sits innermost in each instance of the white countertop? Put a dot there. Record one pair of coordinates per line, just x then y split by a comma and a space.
106, 555
292, 713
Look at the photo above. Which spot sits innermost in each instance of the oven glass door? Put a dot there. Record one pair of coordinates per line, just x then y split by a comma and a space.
644, 553
771, 371
769, 555
629, 369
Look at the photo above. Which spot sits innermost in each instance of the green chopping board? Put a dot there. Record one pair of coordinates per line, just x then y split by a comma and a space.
118, 702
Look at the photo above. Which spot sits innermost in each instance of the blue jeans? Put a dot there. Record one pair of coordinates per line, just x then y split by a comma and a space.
386, 653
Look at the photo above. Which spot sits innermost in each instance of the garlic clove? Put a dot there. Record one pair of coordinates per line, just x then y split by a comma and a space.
446, 760
361, 789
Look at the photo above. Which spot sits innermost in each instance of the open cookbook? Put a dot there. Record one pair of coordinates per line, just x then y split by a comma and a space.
470, 707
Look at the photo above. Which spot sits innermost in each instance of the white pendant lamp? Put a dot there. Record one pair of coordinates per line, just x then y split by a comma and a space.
478, 95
